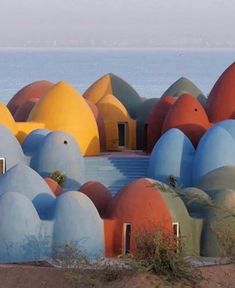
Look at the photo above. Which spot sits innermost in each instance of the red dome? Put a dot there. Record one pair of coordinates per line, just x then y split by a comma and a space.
34, 90
155, 120
23, 111
140, 204
188, 115
98, 194
220, 104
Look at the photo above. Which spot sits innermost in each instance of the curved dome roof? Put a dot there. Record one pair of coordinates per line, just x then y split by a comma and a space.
188, 115
59, 151
19, 227
182, 86
77, 221
34, 90
26, 181
112, 84
220, 104
172, 155
10, 148
34, 140
215, 149
63, 108
7, 120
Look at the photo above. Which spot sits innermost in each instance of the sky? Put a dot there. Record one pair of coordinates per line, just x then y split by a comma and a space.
118, 23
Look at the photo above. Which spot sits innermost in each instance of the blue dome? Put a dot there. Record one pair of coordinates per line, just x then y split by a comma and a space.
26, 181
215, 149
10, 148
34, 139
19, 229
172, 155
59, 151
77, 221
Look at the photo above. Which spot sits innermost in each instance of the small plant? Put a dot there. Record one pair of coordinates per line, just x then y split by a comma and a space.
158, 252
59, 177
67, 255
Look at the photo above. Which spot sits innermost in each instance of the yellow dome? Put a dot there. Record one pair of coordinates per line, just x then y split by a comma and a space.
114, 113
6, 119
63, 108
99, 89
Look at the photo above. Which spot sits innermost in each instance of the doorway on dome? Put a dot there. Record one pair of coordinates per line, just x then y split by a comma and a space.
2, 165
122, 135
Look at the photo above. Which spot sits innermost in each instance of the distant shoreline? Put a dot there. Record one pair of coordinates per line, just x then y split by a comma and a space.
64, 48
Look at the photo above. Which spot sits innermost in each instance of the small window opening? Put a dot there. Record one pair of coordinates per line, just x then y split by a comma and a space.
65, 142
2, 165
126, 238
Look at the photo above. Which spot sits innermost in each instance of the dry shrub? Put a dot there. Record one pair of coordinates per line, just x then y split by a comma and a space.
161, 253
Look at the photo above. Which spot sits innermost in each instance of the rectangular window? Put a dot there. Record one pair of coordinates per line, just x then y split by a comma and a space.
2, 166
176, 231
122, 134
126, 238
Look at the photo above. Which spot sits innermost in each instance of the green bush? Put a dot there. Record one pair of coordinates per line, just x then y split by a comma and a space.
59, 177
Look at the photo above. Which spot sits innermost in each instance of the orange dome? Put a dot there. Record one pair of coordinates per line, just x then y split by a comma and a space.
54, 186
220, 104
188, 115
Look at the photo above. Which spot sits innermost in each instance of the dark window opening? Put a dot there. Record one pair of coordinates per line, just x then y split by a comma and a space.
127, 238
195, 109
121, 134
65, 142
2, 166
145, 137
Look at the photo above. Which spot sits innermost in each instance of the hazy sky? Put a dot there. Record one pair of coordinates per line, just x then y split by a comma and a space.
143, 23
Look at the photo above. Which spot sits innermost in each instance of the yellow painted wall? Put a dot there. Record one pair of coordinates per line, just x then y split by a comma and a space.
63, 108
99, 89
113, 112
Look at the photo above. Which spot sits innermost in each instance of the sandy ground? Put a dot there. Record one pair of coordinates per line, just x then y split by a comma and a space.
26, 276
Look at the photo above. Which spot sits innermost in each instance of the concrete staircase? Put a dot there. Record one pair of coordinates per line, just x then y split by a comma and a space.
115, 172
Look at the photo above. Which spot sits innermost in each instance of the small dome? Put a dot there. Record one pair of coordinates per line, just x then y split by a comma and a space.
172, 156
78, 222
19, 229
34, 90
112, 84
188, 115
26, 181
59, 151
56, 189
10, 148
182, 86
98, 194
215, 149
34, 140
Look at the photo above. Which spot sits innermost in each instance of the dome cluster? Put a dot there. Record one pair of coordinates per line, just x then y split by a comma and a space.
49, 128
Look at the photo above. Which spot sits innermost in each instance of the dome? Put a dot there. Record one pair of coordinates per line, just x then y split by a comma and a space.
145, 206
24, 180
23, 111
78, 222
188, 115
59, 151
98, 194
182, 86
112, 84
34, 140
34, 90
215, 149
220, 104
218, 179
172, 155
10, 148
63, 108
156, 119
19, 229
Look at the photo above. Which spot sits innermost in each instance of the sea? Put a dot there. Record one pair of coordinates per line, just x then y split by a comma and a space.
149, 71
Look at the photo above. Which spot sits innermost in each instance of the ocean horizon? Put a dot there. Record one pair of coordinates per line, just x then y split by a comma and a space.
150, 71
